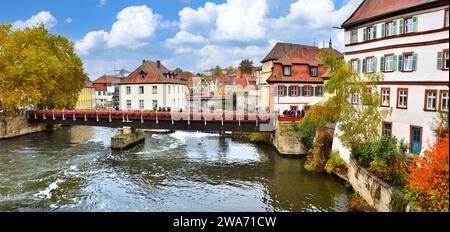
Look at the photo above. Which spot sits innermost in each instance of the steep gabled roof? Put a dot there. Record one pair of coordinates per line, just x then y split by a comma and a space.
107, 79
153, 74
280, 50
371, 9
288, 54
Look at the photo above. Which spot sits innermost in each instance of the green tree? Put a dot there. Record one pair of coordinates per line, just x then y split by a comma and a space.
218, 71
246, 66
358, 123
231, 70
178, 70
37, 67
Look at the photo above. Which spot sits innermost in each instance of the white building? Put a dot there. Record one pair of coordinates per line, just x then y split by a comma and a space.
152, 86
408, 42
105, 90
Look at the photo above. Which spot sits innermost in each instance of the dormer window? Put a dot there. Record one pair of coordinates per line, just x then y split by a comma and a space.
313, 71
286, 70
142, 75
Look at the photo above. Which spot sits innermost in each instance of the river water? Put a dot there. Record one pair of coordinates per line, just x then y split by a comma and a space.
73, 169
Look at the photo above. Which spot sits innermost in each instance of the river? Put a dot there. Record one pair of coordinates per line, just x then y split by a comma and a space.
73, 169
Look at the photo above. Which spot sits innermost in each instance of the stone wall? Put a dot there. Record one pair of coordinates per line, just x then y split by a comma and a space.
13, 126
375, 191
126, 141
287, 140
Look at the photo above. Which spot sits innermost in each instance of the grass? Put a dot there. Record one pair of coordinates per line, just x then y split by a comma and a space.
120, 136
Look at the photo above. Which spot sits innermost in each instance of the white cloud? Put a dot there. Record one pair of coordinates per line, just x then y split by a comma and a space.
184, 37
134, 25
201, 20
68, 20
241, 20
90, 41
103, 2
42, 18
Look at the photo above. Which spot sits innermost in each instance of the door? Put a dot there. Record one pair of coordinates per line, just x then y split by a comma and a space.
416, 140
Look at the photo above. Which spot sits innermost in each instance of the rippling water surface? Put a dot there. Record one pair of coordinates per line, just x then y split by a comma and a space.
73, 169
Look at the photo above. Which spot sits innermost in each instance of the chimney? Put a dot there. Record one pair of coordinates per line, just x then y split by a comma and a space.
143, 61
331, 44
158, 63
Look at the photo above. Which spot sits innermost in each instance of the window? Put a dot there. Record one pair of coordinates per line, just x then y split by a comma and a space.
128, 104
155, 89
371, 33
446, 18
313, 71
155, 104
408, 62
385, 97
307, 91
430, 100
287, 70
370, 65
446, 59
355, 98
294, 108
402, 99
141, 104
390, 29
142, 75
387, 129
280, 90
141, 89
319, 91
128, 90
355, 65
354, 36
389, 63
293, 91
409, 25
444, 101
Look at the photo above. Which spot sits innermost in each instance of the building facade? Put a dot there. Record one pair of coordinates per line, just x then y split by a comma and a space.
408, 42
292, 77
86, 99
105, 90
152, 86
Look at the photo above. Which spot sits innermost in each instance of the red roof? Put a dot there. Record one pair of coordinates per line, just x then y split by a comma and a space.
107, 79
370, 9
152, 74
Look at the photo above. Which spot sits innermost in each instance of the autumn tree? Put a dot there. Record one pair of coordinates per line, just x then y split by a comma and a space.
38, 68
231, 70
428, 178
217, 71
246, 66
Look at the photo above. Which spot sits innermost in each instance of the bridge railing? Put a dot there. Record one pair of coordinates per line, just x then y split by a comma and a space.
153, 115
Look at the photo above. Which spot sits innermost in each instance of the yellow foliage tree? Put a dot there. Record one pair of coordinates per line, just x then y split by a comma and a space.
38, 68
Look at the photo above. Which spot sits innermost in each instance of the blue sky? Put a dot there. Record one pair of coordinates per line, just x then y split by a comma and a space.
191, 34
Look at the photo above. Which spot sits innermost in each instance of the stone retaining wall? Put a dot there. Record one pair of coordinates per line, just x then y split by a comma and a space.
287, 140
13, 126
375, 191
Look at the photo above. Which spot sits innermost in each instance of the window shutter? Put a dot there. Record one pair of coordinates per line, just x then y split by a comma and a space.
400, 62
439, 60
286, 91
395, 64
415, 24
275, 91
395, 27
364, 34
382, 64
400, 25
359, 66
300, 91
414, 62
314, 91
383, 30
364, 66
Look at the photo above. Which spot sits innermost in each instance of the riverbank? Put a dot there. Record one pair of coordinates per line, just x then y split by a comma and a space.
14, 126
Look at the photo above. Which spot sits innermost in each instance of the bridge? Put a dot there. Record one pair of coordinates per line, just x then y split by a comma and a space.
188, 121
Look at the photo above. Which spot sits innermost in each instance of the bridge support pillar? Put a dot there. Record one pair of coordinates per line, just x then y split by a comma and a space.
127, 139
287, 140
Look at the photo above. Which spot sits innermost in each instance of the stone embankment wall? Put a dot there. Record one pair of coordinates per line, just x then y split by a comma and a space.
287, 140
126, 141
13, 126
375, 191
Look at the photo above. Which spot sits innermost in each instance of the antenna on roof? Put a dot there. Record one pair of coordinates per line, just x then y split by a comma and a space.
330, 45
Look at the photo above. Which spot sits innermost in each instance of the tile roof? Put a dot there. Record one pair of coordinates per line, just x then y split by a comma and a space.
370, 9
107, 79
286, 53
152, 75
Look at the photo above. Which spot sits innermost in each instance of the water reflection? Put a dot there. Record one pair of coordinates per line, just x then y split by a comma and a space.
73, 169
